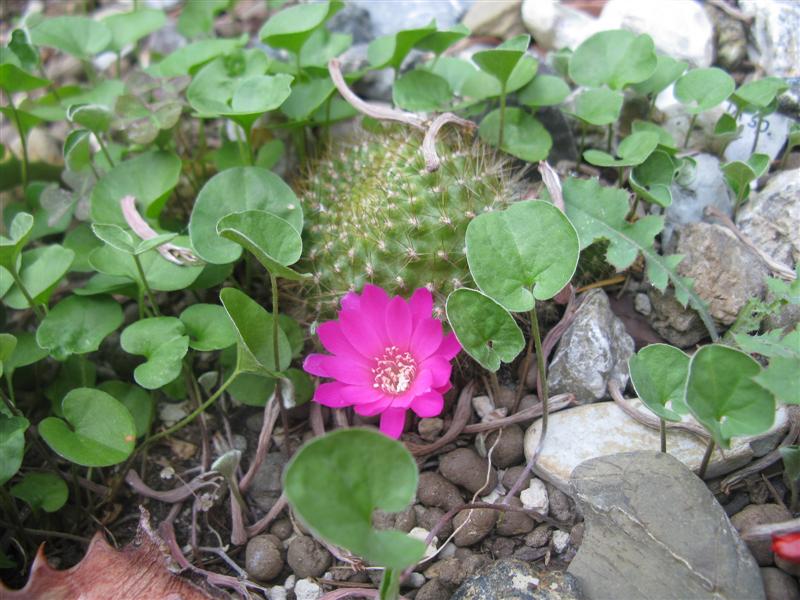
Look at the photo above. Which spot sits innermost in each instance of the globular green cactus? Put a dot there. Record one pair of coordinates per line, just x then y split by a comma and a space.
376, 215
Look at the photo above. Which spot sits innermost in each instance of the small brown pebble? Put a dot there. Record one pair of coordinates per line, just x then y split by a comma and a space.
282, 528
539, 537
509, 450
466, 468
479, 523
779, 585
502, 547
435, 490
511, 523
264, 557
760, 514
576, 535
561, 506
429, 517
307, 558
511, 475
433, 590
429, 429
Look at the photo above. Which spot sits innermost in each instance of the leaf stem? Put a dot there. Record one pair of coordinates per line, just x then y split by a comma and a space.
689, 130
663, 430
758, 133
104, 150
610, 137
537, 343
390, 585
37, 310
22, 140
502, 116
276, 354
146, 286
706, 459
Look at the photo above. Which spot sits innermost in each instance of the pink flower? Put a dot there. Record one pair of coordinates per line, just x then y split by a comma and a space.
387, 355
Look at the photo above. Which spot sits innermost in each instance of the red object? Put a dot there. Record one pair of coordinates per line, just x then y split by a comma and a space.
787, 546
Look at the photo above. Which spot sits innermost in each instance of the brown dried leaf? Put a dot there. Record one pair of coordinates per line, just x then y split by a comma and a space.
142, 570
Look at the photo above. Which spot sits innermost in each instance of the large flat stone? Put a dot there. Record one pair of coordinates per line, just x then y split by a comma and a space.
601, 429
654, 530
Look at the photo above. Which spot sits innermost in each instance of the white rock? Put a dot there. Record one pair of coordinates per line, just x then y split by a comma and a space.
776, 32
555, 26
448, 551
421, 534
170, 412
593, 430
307, 589
681, 30
535, 496
482, 405
415, 580
560, 540
499, 18
774, 131
277, 592
289, 583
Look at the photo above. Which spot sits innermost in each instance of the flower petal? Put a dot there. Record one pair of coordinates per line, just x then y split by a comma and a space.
439, 368
342, 369
374, 301
428, 405
359, 395
333, 338
449, 347
361, 334
392, 422
351, 301
398, 322
427, 338
330, 394
315, 364
421, 304
372, 409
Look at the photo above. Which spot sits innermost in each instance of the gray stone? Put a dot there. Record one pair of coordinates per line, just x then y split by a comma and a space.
266, 486
500, 18
594, 349
695, 190
433, 590
679, 325
307, 558
760, 514
598, 430
771, 218
642, 304
555, 25
264, 557
779, 585
513, 523
776, 32
774, 130
473, 525
511, 579
726, 273
654, 530
508, 450
466, 468
414, 13
730, 37
355, 21
429, 429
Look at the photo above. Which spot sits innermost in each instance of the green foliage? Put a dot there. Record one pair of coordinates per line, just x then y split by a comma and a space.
78, 324
632, 151
739, 174
599, 106
12, 444
79, 36
335, 482
44, 491
291, 27
163, 342
614, 58
523, 135
658, 373
703, 89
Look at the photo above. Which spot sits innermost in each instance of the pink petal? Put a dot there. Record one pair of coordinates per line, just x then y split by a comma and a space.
361, 334
427, 338
398, 322
335, 342
428, 405
351, 301
330, 394
358, 395
374, 301
392, 422
449, 347
444, 388
439, 368
315, 364
372, 409
421, 303
345, 370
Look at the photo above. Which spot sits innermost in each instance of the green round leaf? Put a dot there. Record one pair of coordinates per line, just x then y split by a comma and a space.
633, 150
78, 324
739, 174
614, 58
93, 117
77, 151
421, 91
208, 327
115, 236
79, 36
25, 353
291, 27
18, 234
652, 179
667, 70
702, 89
658, 373
391, 50
544, 90
598, 107
441, 40
235, 190
186, 59
41, 271
12, 445
41, 490
98, 431
251, 389
759, 94
523, 135
138, 402
148, 177
14, 79
486, 330
272, 240
526, 252
163, 342
335, 482
723, 397
500, 62
129, 27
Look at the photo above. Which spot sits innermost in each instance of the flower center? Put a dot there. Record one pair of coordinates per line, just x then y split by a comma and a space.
394, 371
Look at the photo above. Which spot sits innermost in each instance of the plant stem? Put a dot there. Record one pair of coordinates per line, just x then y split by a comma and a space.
495, 386
663, 429
583, 141
689, 130
390, 585
37, 310
706, 459
276, 354
22, 140
610, 137
537, 344
502, 116
758, 133
104, 150
146, 286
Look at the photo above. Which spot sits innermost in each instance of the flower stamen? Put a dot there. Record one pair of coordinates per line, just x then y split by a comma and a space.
394, 371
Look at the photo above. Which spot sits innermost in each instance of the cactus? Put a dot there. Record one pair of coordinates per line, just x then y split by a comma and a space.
375, 215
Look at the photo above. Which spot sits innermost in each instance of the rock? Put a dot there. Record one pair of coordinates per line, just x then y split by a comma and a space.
453, 571
415, 580
693, 191
784, 565
421, 534
483, 406
355, 21
307, 558
429, 429
402, 521
684, 31
509, 579
561, 506
726, 273
415, 13
774, 131
555, 25
266, 486
514, 523
501, 547
539, 537
594, 349
264, 557
511, 475
679, 325
479, 523
433, 590
282, 528
779, 585
642, 304
654, 530
771, 218
435, 490
730, 37
760, 514
534, 497
429, 517
575, 435
560, 540
576, 535
277, 592
776, 32
307, 589
497, 19
464, 467
508, 451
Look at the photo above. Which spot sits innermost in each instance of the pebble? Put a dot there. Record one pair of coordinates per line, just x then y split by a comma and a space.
511, 523
479, 523
534, 497
264, 557
760, 514
466, 468
307, 589
779, 585
642, 304
679, 325
561, 505
415, 580
499, 18
433, 590
560, 540
421, 534
307, 558
508, 451
277, 592
776, 32
539, 537
282, 528
511, 475
510, 578
430, 428
436, 491
482, 405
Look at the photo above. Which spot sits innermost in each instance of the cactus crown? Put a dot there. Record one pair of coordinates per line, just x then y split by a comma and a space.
375, 215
